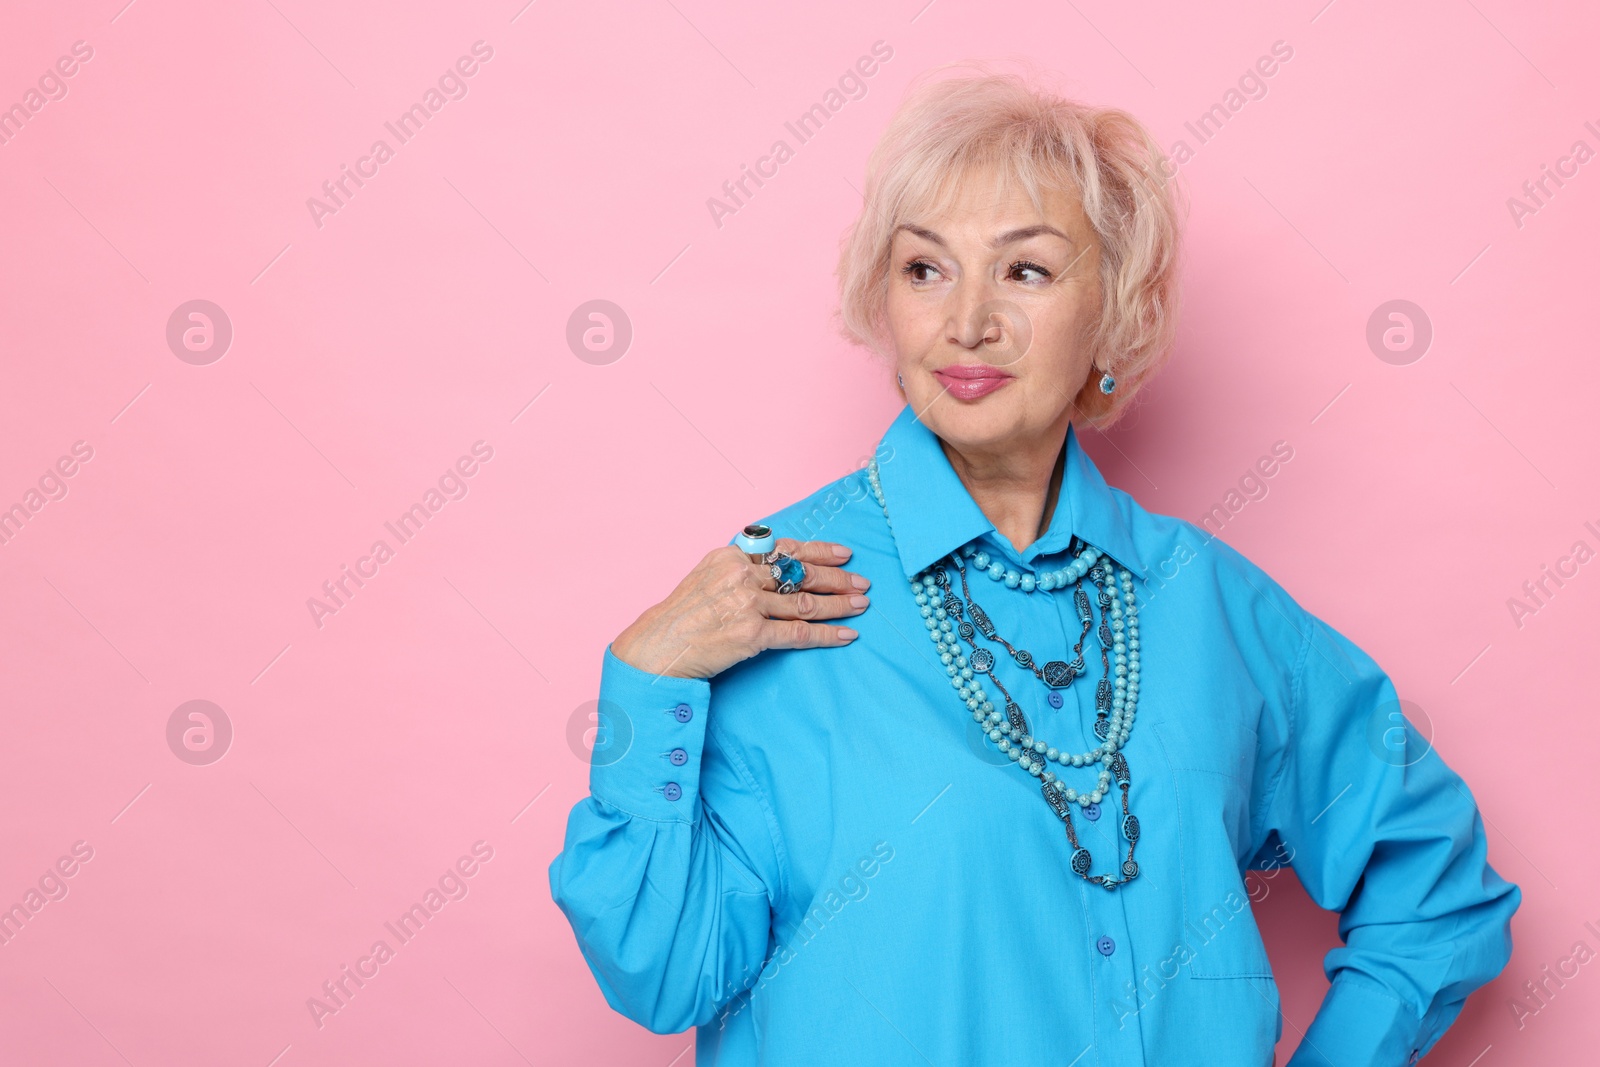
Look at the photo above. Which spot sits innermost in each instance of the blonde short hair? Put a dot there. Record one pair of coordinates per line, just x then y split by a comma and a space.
946, 128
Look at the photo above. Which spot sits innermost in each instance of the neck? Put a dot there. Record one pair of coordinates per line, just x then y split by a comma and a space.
1016, 488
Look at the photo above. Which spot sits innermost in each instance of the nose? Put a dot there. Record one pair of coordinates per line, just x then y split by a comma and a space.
973, 322
982, 321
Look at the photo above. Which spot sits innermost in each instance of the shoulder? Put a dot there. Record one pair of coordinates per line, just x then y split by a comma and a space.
845, 512
836, 511
1193, 570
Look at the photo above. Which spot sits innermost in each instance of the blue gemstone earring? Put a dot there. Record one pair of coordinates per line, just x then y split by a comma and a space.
901, 378
1107, 383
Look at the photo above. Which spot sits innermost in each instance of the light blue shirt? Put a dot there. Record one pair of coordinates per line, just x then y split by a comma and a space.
817, 858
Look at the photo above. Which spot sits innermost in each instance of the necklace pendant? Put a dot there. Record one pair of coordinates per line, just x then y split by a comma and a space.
1015, 717
1056, 797
1081, 599
980, 619
1058, 674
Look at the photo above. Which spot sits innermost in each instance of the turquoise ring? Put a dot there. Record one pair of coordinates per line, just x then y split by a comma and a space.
787, 571
757, 542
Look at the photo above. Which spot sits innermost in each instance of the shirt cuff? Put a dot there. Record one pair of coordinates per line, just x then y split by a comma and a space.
1360, 1024
649, 737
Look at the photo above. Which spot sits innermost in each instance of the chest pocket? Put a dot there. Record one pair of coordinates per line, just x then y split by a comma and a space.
1212, 764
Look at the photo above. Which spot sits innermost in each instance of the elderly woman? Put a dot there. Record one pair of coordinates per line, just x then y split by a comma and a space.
1007, 814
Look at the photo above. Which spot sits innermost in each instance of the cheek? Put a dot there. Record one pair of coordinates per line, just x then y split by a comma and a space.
1060, 346
1067, 327
912, 324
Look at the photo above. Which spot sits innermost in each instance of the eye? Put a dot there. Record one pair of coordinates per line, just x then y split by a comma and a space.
1023, 265
916, 270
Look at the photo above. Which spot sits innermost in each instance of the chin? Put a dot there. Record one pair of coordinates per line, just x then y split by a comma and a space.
986, 421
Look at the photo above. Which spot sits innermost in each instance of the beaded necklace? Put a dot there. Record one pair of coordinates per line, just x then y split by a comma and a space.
1118, 692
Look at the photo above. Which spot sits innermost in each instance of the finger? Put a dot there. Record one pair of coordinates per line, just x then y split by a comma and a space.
818, 579
822, 559
760, 577
827, 553
797, 633
810, 606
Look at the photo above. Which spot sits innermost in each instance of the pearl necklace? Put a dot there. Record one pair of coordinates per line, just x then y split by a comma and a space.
1061, 578
941, 609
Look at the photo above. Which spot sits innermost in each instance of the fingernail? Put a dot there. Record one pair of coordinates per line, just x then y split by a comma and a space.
860, 581
841, 552
846, 634
858, 601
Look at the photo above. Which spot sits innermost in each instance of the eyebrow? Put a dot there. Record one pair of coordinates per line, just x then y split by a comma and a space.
1009, 237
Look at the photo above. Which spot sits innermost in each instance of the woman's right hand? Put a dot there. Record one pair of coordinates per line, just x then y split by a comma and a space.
728, 609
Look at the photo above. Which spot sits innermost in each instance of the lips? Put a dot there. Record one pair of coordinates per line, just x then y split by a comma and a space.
969, 381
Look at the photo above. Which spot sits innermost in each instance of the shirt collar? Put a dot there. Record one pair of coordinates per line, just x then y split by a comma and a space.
933, 514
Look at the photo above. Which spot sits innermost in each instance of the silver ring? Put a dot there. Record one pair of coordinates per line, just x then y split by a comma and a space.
786, 571
756, 542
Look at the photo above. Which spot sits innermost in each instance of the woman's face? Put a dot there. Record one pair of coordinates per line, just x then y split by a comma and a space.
991, 304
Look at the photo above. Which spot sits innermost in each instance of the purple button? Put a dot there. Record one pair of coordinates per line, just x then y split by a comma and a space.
683, 713
1055, 700
1105, 945
678, 757
671, 791
1091, 812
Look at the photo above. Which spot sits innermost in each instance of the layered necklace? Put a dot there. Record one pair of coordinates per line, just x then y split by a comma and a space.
950, 621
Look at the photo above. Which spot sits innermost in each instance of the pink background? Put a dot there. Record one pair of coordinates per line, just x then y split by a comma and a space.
435, 708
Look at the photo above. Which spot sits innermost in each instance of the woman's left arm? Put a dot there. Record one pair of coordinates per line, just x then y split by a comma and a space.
1382, 831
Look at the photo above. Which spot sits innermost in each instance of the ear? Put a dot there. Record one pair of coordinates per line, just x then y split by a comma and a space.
1092, 405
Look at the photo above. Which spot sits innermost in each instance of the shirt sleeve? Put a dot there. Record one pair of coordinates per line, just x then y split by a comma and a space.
669, 870
1378, 828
